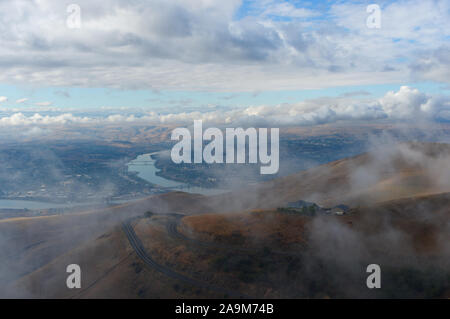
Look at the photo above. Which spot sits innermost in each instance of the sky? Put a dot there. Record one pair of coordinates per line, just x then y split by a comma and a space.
286, 62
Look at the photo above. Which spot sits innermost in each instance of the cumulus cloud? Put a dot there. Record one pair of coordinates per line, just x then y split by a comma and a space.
206, 47
21, 119
406, 104
3, 99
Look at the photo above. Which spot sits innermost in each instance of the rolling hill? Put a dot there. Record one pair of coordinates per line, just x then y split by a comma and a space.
238, 243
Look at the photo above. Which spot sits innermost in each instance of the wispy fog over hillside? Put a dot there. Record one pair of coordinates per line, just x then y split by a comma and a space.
210, 149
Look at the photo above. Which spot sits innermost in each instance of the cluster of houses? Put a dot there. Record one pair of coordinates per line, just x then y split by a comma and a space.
312, 209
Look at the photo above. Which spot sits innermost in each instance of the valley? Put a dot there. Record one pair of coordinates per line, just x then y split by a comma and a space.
239, 244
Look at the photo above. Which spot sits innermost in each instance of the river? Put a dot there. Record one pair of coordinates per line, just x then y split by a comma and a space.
144, 166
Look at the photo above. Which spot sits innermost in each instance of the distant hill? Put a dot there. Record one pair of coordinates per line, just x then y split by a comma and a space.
386, 173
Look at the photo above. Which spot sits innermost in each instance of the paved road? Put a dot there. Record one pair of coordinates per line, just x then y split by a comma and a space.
138, 247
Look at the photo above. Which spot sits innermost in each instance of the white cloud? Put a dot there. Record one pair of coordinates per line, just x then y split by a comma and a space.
17, 119
286, 9
199, 45
407, 104
3, 99
23, 100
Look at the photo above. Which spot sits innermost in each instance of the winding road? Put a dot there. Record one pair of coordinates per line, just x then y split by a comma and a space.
138, 247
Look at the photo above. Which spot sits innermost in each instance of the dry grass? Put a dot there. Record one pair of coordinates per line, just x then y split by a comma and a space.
35, 251
248, 228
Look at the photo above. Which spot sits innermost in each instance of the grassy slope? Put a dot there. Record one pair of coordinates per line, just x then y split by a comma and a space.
37, 248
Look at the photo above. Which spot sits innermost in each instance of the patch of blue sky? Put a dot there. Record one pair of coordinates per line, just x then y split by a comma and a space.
252, 8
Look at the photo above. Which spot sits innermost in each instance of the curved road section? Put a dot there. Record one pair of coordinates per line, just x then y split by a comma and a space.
138, 247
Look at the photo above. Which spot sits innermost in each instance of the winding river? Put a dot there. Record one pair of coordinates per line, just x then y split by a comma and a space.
144, 166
